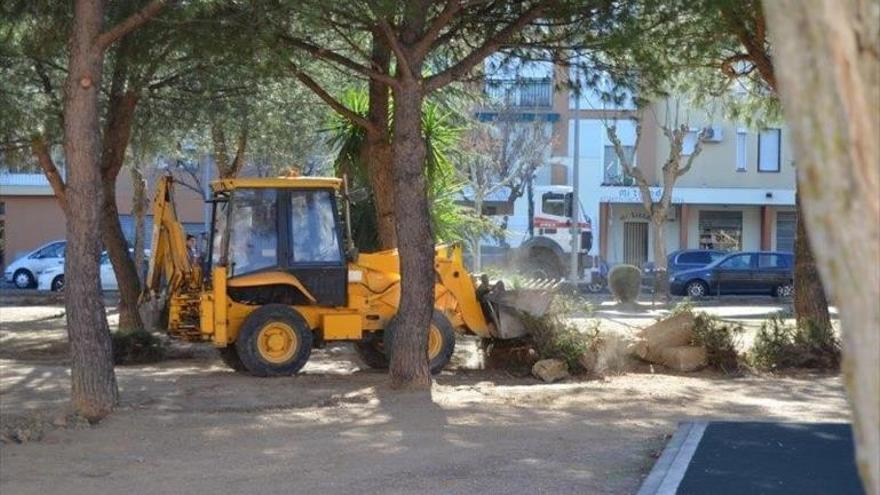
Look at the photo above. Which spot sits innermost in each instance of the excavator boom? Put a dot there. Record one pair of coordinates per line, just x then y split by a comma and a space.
169, 260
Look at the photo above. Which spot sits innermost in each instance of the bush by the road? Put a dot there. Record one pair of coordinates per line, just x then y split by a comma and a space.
779, 345
625, 282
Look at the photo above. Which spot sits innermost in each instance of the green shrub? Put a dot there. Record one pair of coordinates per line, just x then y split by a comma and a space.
625, 282
554, 337
137, 348
779, 345
720, 340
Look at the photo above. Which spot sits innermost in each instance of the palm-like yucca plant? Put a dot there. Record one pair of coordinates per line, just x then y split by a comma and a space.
451, 221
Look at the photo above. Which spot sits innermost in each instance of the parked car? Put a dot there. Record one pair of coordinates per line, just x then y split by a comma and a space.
52, 279
23, 272
757, 272
688, 259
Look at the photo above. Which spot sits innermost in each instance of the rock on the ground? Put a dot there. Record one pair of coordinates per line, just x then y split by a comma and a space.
550, 370
589, 361
675, 331
684, 358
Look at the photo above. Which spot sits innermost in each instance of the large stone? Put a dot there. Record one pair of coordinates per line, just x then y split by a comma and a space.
675, 331
684, 358
589, 360
550, 370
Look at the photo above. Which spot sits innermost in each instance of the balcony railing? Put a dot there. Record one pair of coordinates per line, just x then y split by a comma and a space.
521, 93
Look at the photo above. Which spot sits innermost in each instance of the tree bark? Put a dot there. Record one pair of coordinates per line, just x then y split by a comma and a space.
379, 156
661, 276
478, 247
139, 211
123, 265
829, 80
810, 303
117, 134
93, 381
409, 358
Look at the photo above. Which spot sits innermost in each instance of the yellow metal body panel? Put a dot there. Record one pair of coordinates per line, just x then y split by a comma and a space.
270, 278
277, 183
221, 321
206, 313
342, 326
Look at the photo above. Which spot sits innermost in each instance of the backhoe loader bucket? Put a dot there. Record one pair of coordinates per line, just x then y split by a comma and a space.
505, 308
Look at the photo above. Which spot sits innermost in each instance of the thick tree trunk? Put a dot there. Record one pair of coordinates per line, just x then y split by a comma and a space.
139, 212
661, 276
810, 303
93, 381
117, 134
409, 358
123, 265
379, 155
379, 170
829, 78
477, 242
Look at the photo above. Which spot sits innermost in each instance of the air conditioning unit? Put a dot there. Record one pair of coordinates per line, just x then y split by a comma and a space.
713, 133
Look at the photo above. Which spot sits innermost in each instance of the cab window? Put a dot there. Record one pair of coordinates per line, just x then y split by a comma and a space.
556, 204
253, 231
313, 227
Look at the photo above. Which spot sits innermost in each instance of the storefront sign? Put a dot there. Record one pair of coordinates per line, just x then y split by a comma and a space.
633, 195
643, 215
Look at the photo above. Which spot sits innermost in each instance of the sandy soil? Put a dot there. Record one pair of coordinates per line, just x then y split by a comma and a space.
191, 426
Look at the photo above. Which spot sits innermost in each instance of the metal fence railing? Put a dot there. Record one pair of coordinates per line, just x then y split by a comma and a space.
523, 92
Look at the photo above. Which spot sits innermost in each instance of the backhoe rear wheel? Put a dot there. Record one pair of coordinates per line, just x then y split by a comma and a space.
229, 356
441, 341
274, 340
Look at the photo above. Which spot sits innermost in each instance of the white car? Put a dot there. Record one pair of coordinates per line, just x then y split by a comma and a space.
24, 271
53, 278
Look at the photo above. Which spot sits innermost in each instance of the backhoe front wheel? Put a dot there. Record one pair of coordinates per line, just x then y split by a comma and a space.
371, 350
441, 341
274, 340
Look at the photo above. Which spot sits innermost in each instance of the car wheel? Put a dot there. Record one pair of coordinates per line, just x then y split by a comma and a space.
697, 289
23, 279
785, 290
57, 284
595, 287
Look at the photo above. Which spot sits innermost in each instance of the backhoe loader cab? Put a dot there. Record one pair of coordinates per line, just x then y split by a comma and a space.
281, 278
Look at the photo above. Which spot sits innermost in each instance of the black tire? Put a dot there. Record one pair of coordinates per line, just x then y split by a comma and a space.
696, 289
57, 284
282, 321
445, 333
371, 350
229, 356
540, 265
23, 279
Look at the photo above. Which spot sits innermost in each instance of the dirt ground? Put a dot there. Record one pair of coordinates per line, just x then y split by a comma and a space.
189, 425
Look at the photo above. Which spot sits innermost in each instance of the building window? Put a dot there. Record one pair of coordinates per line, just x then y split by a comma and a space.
721, 230
741, 142
614, 173
786, 228
769, 148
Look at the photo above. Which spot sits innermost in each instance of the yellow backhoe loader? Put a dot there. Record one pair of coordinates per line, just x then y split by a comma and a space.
282, 276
